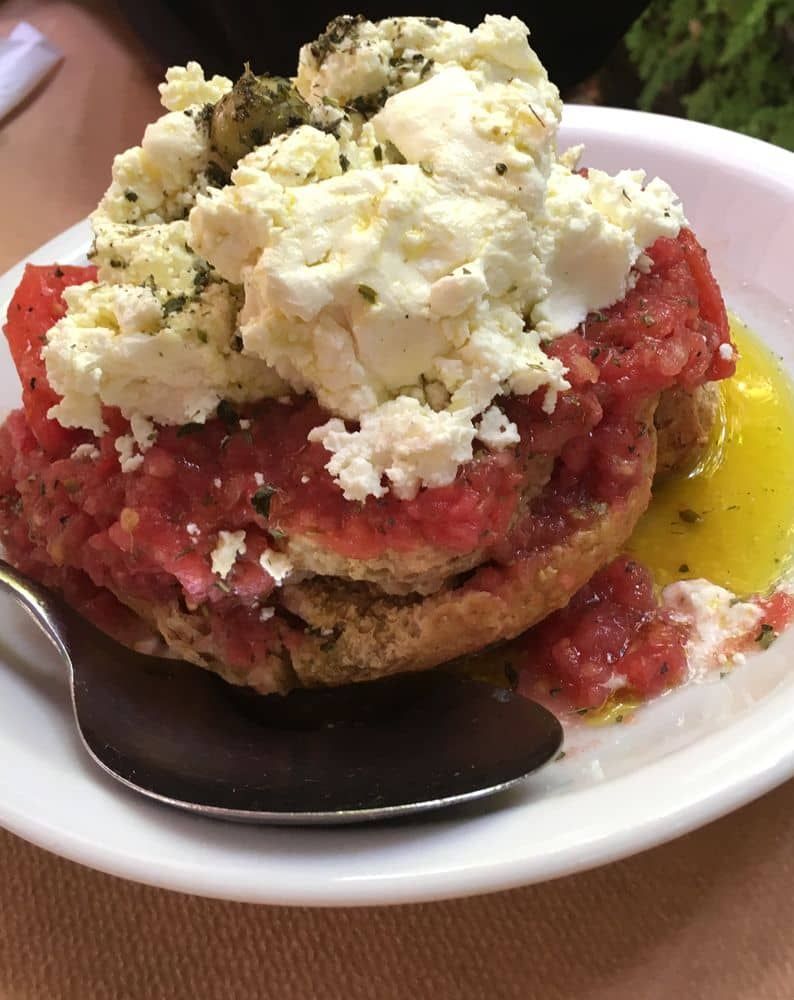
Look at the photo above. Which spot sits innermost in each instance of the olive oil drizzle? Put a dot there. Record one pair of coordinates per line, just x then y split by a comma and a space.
730, 520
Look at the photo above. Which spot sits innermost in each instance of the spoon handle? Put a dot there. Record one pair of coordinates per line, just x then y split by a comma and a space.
46, 608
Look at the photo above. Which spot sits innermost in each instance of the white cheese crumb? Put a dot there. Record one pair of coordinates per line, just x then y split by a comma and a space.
726, 352
216, 482
266, 614
88, 451
403, 442
276, 564
715, 616
230, 545
186, 87
193, 529
496, 431
259, 479
128, 460
245, 425
144, 431
305, 479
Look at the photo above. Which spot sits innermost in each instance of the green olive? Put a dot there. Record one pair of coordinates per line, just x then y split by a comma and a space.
254, 110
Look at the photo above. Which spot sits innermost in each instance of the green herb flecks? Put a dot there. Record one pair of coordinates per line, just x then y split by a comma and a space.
175, 304
393, 153
260, 501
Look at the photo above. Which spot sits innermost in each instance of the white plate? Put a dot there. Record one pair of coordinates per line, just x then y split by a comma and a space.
683, 761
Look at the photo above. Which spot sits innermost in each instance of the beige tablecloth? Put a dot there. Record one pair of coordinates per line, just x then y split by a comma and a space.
709, 916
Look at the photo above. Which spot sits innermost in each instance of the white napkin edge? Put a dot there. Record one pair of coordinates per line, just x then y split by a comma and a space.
25, 59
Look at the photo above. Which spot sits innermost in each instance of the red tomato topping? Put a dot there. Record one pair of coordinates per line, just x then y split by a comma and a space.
778, 610
36, 305
611, 637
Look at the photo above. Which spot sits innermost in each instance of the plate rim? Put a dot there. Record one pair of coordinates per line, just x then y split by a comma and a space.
680, 803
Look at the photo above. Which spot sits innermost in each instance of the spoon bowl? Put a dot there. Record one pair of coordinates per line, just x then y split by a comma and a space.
182, 736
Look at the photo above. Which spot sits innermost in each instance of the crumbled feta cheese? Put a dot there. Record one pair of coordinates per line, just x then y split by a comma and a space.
596, 229
245, 425
299, 157
496, 431
88, 451
116, 347
193, 530
305, 479
158, 256
715, 616
401, 441
158, 180
230, 545
276, 564
185, 87
216, 482
259, 479
416, 267
143, 436
357, 59
266, 614
129, 461
386, 256
144, 431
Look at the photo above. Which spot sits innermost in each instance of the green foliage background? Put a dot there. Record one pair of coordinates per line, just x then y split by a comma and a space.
728, 62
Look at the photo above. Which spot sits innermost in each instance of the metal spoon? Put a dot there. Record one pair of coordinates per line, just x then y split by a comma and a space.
180, 735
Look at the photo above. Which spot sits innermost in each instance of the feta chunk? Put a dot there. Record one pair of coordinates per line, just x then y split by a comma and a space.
230, 545
185, 87
596, 230
716, 617
403, 442
116, 346
129, 460
277, 564
496, 431
158, 180
87, 451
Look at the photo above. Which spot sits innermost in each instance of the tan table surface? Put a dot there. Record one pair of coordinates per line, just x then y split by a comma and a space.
709, 916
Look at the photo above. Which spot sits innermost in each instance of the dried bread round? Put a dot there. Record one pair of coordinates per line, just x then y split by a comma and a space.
684, 422
353, 631
355, 634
